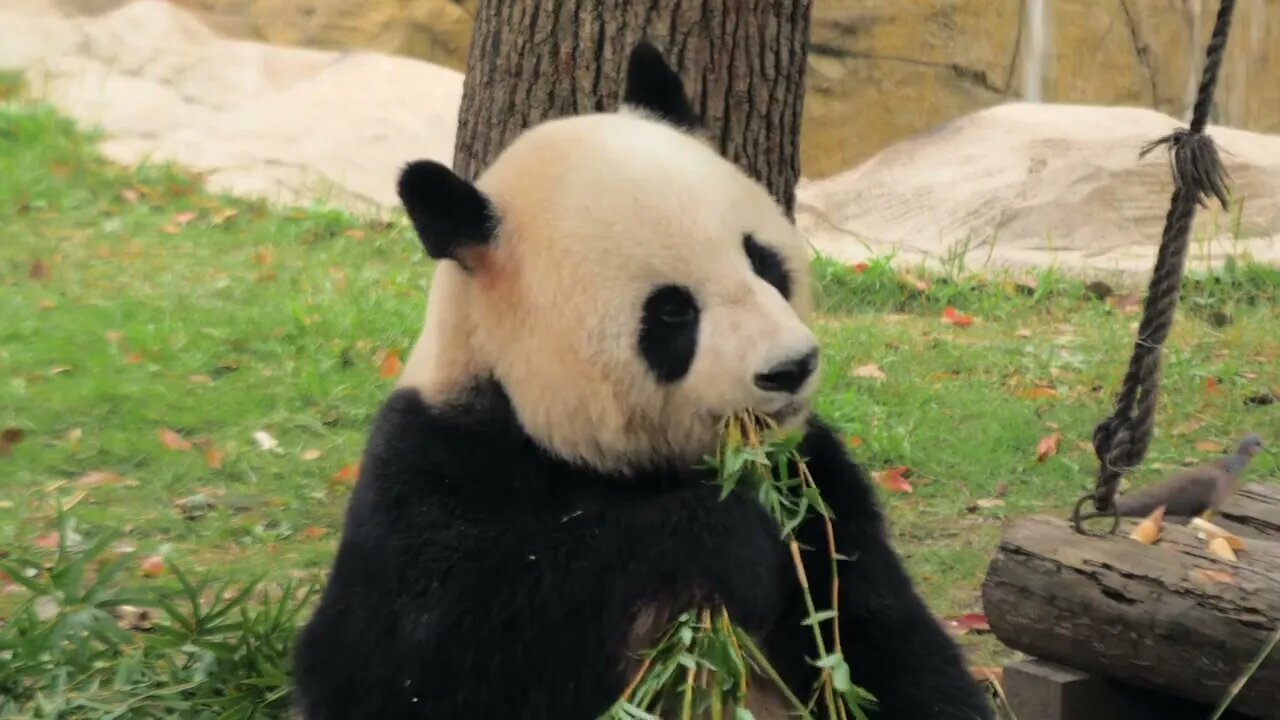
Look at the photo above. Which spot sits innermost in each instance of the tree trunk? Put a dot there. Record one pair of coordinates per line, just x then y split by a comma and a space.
742, 62
1168, 616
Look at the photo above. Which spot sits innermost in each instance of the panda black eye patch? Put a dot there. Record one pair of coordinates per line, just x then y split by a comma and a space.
669, 332
768, 265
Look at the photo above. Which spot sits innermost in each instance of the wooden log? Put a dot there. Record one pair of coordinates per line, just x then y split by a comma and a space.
1254, 511
1169, 617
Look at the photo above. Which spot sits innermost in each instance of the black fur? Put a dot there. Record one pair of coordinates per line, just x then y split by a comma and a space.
669, 332
478, 577
447, 212
767, 264
654, 87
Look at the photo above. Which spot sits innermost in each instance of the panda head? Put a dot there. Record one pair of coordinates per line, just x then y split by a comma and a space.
627, 286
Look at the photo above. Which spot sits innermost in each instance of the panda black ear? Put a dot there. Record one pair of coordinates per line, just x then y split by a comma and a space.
449, 213
654, 87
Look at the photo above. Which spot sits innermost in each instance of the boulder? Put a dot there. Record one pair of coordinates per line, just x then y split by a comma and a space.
1031, 185
880, 71
284, 123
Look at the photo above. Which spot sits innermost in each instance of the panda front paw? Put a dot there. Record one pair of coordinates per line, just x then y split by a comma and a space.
746, 565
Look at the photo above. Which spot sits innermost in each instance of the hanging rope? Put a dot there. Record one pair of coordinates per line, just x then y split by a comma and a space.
1121, 440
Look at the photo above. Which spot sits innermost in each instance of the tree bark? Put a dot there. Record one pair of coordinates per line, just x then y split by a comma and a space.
1169, 616
742, 62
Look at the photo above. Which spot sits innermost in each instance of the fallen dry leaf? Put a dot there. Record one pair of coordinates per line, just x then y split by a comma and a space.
354, 234
134, 358
46, 304
951, 316
151, 566
262, 256
1048, 446
855, 441
975, 623
1209, 446
96, 478
38, 271
199, 379
1212, 576
1022, 333
1039, 392
314, 532
130, 196
988, 503
1209, 531
871, 371
346, 474
183, 218
47, 541
213, 457
311, 454
265, 441
1148, 531
172, 440
859, 267
1211, 386
59, 369
893, 480
389, 367
8, 438
1220, 547
1187, 427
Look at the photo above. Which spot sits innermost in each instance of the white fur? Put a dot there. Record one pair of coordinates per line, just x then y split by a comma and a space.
595, 211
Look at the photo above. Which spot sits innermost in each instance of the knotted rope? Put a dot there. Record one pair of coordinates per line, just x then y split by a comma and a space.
1121, 440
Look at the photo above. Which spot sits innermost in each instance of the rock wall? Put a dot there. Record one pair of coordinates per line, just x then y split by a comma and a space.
884, 70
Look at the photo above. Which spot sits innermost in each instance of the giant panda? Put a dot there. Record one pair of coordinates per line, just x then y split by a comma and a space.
531, 508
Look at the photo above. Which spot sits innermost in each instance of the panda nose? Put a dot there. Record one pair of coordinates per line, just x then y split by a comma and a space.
788, 376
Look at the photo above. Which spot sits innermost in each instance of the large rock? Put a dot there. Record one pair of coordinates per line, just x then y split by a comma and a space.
1031, 185
880, 70
286, 124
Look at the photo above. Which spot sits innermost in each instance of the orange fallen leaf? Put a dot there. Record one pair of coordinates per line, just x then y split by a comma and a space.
183, 218
975, 623
314, 532
893, 480
173, 440
213, 457
262, 256
130, 196
1148, 531
859, 267
134, 358
47, 541
354, 234
1039, 392
1209, 446
151, 566
346, 474
390, 365
1211, 386
8, 438
1220, 547
46, 304
1209, 531
38, 270
871, 371
311, 454
855, 441
951, 316
1047, 447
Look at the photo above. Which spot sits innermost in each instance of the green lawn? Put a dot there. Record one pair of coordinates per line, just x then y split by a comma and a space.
140, 314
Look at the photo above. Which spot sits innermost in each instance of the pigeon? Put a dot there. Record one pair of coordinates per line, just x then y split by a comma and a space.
1192, 492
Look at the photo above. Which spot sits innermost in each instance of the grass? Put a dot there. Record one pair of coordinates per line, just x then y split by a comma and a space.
134, 303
